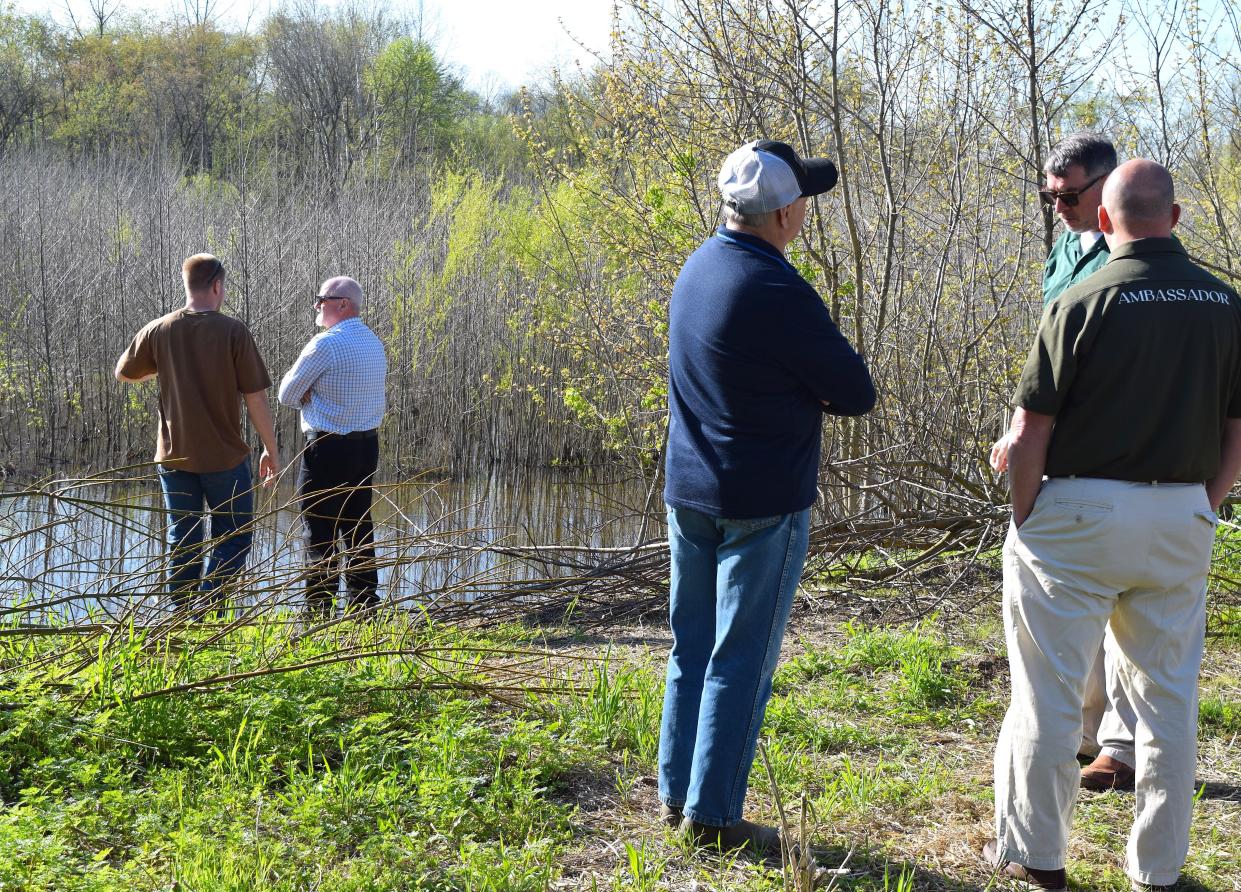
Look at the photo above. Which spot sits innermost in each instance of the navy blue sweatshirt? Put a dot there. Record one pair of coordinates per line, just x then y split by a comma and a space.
753, 353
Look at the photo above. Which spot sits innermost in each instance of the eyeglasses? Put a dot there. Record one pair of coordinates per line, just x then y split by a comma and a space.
1070, 196
320, 298
216, 273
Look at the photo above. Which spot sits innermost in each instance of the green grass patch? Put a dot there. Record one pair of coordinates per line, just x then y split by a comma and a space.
384, 772
1224, 623
1219, 717
913, 667
613, 707
439, 759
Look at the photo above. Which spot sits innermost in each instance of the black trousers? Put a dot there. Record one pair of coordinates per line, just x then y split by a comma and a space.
334, 488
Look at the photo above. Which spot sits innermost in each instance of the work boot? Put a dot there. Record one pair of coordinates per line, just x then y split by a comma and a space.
1052, 880
670, 815
1106, 773
760, 838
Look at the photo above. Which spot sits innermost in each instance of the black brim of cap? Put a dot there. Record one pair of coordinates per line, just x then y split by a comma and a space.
814, 175
820, 176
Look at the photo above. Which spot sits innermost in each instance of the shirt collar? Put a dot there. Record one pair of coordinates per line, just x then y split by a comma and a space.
750, 239
1088, 240
1145, 246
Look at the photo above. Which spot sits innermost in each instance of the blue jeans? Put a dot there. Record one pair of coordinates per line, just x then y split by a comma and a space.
732, 589
229, 499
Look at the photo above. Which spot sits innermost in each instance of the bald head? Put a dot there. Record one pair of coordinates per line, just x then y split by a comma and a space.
1138, 202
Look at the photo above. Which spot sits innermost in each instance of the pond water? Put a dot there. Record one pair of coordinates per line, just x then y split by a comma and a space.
73, 550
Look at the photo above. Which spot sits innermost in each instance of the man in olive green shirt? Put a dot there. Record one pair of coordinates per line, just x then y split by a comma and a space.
1130, 402
1075, 172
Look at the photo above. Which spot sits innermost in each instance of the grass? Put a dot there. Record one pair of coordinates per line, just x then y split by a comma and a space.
399, 772
340, 777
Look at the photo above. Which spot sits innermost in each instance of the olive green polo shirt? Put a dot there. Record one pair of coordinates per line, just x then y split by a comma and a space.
1141, 365
1066, 264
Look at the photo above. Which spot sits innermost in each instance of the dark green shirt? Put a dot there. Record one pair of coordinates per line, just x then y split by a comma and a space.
1141, 365
1066, 264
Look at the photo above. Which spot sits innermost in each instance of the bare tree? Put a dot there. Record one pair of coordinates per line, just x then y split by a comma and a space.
102, 12
318, 65
1042, 39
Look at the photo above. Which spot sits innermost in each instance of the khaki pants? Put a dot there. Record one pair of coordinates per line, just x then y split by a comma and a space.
1108, 718
1093, 551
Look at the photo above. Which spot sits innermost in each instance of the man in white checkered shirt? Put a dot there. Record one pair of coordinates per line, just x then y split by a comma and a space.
338, 383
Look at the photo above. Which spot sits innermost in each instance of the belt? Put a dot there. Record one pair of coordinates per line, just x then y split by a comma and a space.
1144, 482
352, 435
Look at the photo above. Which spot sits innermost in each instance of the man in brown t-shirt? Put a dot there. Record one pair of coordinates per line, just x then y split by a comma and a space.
206, 364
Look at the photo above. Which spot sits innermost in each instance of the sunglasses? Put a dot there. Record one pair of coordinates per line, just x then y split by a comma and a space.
1070, 196
320, 298
216, 273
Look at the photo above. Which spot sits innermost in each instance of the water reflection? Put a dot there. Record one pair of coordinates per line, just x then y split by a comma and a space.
74, 551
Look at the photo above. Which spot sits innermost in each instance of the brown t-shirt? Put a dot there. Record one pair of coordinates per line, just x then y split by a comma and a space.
205, 362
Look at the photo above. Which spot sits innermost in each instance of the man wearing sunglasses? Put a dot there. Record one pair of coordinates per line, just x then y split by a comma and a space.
207, 365
338, 383
1076, 171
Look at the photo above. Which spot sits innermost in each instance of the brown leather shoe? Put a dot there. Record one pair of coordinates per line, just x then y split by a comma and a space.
759, 838
670, 815
1052, 880
1106, 773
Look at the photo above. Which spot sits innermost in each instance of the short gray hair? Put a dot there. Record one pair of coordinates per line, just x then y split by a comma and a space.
1095, 155
343, 286
750, 221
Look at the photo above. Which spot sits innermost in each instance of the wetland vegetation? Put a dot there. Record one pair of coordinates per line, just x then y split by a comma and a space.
494, 728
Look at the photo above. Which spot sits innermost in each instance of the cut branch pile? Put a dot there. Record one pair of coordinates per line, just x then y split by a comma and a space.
65, 573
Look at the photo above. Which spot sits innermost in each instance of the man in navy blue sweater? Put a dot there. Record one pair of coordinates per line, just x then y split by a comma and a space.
754, 362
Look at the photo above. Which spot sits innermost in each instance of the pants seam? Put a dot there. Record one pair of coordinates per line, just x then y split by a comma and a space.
751, 730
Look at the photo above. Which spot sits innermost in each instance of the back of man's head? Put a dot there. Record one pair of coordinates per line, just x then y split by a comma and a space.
200, 272
1139, 201
1091, 152
343, 286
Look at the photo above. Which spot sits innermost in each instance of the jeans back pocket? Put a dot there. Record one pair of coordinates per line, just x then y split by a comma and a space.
756, 523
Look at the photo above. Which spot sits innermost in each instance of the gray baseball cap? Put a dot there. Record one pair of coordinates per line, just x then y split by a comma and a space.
764, 175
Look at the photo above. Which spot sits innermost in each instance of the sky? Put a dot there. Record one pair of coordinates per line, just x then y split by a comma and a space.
495, 44
505, 43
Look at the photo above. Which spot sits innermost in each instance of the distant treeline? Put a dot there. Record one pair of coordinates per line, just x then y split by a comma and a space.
520, 254
313, 93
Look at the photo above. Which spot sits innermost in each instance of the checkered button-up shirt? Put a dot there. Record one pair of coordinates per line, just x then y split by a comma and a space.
343, 370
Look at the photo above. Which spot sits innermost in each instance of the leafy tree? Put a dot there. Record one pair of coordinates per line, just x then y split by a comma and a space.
23, 75
417, 99
105, 103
